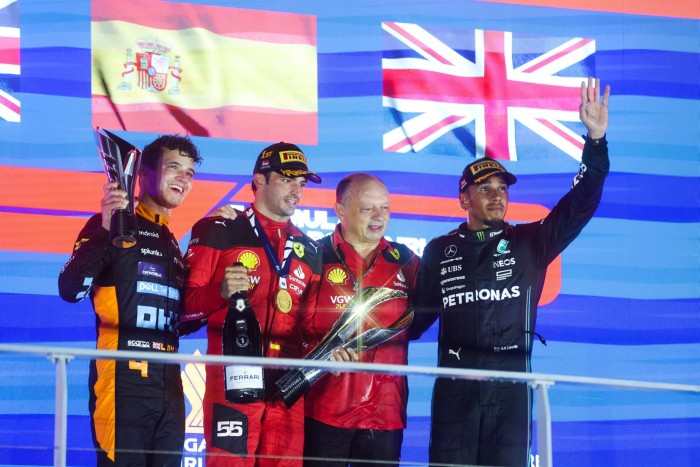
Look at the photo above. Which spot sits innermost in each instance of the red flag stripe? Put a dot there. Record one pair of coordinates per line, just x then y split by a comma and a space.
231, 122
578, 45
10, 105
416, 42
558, 131
9, 50
256, 25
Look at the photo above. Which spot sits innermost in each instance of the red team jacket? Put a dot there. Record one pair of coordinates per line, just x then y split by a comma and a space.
217, 243
361, 400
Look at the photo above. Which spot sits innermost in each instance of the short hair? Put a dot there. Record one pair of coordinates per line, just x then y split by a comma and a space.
267, 180
342, 191
154, 150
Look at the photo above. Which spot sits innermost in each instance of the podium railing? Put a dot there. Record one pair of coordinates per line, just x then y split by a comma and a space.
540, 382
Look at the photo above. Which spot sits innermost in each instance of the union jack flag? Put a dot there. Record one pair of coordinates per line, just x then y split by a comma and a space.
468, 96
9, 60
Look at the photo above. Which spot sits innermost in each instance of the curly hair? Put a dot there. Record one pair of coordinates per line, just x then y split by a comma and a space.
154, 150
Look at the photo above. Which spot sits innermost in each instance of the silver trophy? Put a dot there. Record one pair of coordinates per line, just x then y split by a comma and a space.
121, 162
344, 333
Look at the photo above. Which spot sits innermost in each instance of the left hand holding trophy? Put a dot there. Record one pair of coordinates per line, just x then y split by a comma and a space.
346, 332
121, 162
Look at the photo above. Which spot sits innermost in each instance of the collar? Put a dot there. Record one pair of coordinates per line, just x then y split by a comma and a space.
149, 214
481, 235
269, 224
339, 240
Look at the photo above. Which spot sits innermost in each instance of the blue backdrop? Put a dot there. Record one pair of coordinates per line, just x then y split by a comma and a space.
627, 302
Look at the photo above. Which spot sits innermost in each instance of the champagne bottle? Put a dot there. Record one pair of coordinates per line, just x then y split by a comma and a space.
242, 337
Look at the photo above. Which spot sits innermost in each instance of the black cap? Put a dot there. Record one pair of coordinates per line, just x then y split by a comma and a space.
480, 170
286, 159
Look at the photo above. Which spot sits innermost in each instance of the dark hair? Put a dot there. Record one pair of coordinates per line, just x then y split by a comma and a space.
342, 191
267, 180
154, 150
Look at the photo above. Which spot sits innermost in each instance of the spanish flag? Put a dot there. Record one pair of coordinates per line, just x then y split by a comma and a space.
200, 70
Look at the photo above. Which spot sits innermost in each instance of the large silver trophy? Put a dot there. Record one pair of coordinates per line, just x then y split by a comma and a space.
121, 162
344, 333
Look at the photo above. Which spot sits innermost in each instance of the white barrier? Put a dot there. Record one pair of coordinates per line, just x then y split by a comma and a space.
540, 382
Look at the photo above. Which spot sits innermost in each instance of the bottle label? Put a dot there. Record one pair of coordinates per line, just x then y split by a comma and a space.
243, 377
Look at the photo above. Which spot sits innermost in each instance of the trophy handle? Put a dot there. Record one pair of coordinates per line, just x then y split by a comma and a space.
123, 228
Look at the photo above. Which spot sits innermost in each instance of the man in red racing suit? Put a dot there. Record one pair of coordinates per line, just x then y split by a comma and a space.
484, 280
277, 258
360, 415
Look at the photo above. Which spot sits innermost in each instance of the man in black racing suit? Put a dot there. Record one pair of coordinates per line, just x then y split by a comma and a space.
136, 406
484, 280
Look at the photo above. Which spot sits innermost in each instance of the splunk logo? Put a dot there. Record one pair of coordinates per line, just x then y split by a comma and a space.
480, 295
148, 251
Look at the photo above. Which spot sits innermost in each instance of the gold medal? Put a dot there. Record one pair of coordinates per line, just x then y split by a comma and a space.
283, 301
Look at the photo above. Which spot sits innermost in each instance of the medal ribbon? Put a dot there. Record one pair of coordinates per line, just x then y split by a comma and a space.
282, 269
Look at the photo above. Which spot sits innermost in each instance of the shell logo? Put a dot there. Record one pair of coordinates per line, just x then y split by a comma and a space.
249, 259
336, 276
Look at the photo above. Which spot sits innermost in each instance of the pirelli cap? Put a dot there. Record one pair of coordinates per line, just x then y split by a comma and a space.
481, 169
286, 159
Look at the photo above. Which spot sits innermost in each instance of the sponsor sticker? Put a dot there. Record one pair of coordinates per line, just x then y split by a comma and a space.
151, 270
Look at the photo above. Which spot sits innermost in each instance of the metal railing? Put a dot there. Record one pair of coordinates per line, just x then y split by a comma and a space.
540, 382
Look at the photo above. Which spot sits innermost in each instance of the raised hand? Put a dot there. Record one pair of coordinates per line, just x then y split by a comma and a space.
593, 112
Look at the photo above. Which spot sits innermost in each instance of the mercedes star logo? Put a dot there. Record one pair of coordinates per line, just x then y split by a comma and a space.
450, 251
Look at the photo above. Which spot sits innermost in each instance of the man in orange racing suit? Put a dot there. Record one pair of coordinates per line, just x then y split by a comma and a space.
135, 292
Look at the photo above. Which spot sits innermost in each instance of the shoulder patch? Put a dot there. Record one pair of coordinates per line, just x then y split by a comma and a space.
398, 253
308, 251
222, 233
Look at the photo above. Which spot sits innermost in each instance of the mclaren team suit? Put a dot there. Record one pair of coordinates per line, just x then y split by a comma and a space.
486, 285
135, 292
360, 415
266, 432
